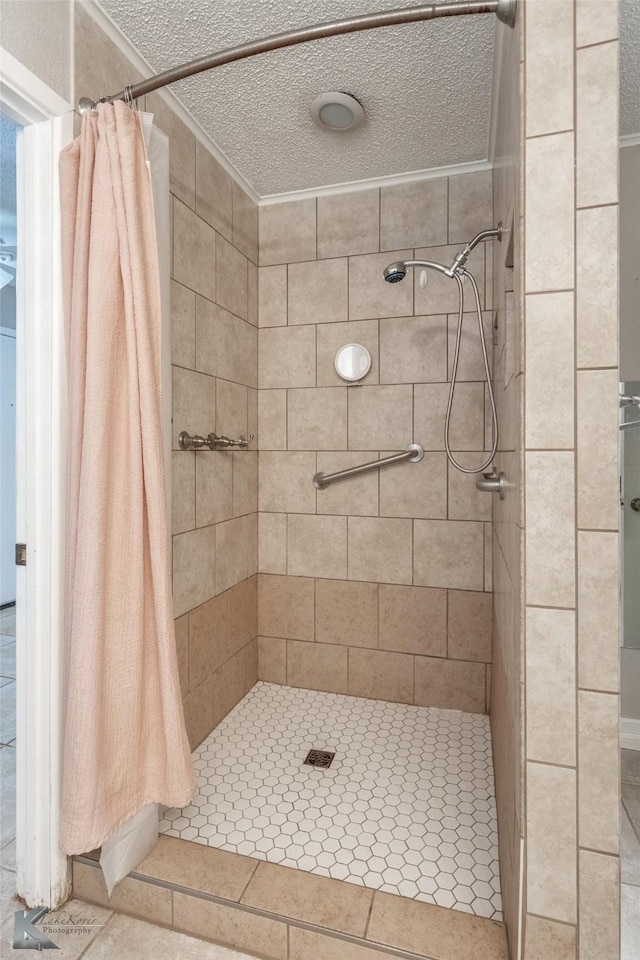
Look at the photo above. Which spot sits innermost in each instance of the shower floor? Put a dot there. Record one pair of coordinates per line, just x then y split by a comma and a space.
406, 807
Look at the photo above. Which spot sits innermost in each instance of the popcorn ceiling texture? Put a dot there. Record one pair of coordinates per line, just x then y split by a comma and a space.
426, 88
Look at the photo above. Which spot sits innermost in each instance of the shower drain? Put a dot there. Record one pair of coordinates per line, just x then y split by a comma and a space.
319, 758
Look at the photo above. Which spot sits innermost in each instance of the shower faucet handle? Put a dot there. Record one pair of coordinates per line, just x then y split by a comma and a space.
215, 442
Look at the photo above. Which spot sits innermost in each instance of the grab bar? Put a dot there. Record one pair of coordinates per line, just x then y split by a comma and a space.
629, 423
414, 454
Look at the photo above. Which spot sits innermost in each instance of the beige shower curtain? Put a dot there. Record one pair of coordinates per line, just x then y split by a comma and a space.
125, 743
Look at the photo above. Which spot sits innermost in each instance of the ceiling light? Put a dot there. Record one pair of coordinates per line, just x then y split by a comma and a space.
336, 111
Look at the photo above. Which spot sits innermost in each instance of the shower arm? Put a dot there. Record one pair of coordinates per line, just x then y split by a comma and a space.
505, 11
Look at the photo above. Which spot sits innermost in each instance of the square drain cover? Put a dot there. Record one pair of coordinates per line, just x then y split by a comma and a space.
319, 758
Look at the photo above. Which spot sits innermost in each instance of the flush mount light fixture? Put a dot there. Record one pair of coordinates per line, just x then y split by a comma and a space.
336, 111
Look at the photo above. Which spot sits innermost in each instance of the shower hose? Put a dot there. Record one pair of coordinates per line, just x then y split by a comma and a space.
454, 375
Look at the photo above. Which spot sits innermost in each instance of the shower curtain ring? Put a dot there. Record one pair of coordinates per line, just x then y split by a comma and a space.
128, 98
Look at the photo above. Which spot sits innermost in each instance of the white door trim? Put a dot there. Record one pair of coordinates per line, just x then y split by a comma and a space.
48, 120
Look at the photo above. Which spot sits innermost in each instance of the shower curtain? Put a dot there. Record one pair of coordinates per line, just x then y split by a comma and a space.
125, 743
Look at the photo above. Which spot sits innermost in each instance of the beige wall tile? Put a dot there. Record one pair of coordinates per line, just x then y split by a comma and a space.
551, 842
413, 349
348, 224
183, 485
549, 408
598, 656
215, 872
285, 482
252, 293
213, 487
595, 23
440, 295
465, 501
380, 550
317, 291
245, 223
413, 620
231, 553
194, 251
213, 192
450, 684
287, 357
469, 625
597, 423
252, 544
380, 417
243, 614
347, 613
183, 326
470, 362
272, 543
423, 928
286, 607
549, 67
370, 296
272, 419
194, 563
599, 927
549, 229
198, 712
287, 232
194, 402
244, 353
448, 553
550, 517
236, 928
214, 339
470, 205
272, 296
597, 124
231, 278
597, 287
550, 685
182, 650
467, 416
317, 666
544, 939
182, 153
245, 482
358, 495
413, 214
598, 771
317, 418
252, 417
145, 900
251, 657
317, 546
229, 686
313, 899
208, 639
272, 659
381, 675
331, 337
231, 409
414, 489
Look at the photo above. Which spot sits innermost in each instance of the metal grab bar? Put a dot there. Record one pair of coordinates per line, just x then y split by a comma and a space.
414, 454
629, 423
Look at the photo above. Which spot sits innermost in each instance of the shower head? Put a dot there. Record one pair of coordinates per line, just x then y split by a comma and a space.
395, 272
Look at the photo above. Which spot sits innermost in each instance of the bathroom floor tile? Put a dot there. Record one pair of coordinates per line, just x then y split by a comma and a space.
629, 851
630, 922
630, 766
407, 805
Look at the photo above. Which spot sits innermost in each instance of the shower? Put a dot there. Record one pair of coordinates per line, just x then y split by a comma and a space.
397, 271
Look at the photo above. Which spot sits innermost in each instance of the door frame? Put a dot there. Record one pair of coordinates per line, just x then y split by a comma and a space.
43, 876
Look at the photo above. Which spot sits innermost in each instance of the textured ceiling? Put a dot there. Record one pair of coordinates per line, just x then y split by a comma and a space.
629, 68
425, 88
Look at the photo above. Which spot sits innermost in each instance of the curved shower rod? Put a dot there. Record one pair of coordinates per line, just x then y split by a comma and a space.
505, 10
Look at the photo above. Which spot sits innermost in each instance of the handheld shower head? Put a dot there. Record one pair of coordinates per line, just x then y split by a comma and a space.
395, 272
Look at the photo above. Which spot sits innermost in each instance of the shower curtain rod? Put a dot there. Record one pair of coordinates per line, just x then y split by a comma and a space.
505, 10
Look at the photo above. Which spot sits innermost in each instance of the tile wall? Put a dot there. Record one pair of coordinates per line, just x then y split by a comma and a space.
556, 738
378, 586
215, 358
